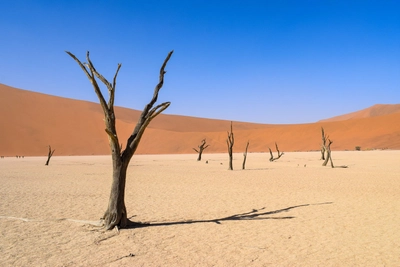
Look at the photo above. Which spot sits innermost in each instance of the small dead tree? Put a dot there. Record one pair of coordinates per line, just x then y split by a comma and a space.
115, 215
327, 148
230, 141
201, 147
272, 156
323, 145
49, 155
245, 156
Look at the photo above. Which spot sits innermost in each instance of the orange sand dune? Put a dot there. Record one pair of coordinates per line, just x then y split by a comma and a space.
31, 121
375, 110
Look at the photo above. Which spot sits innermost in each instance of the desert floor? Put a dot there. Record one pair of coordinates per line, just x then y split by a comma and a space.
291, 212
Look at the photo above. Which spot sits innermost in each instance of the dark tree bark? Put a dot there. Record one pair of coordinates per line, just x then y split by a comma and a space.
201, 147
323, 145
49, 155
115, 215
245, 156
230, 141
272, 156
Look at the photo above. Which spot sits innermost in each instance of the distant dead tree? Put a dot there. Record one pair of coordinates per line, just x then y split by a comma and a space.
49, 155
272, 156
323, 145
230, 141
116, 215
327, 148
201, 147
245, 156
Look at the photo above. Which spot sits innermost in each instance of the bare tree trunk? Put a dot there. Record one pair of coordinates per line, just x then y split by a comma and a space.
323, 145
327, 148
201, 148
272, 156
116, 215
322, 153
49, 155
230, 141
245, 156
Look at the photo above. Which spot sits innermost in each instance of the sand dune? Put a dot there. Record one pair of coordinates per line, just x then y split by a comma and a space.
292, 212
31, 121
375, 110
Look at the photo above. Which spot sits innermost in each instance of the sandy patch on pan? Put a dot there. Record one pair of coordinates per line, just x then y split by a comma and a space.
292, 212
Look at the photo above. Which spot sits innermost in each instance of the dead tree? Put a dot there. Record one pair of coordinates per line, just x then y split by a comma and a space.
115, 215
272, 156
327, 148
49, 155
201, 147
323, 145
245, 156
230, 141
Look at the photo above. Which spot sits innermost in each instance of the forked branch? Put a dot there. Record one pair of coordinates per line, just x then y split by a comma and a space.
108, 108
49, 155
201, 147
272, 158
149, 112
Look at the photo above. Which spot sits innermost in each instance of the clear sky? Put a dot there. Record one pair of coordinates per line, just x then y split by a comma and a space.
270, 61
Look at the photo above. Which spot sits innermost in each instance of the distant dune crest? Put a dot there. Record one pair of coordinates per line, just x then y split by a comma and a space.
30, 122
375, 110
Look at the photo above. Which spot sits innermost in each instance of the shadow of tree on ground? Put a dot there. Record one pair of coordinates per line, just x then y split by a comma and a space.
255, 214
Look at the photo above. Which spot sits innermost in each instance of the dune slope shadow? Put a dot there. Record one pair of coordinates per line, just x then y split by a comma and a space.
255, 214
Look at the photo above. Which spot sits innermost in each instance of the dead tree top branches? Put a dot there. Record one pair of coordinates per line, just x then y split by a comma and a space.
272, 158
49, 155
201, 147
149, 112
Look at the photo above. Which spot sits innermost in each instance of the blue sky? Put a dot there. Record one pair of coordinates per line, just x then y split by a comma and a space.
278, 62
